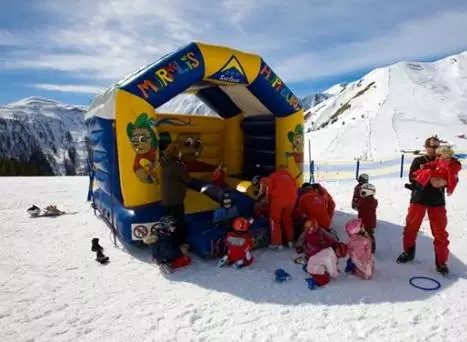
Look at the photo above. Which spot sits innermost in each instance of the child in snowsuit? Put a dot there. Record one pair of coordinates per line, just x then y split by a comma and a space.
226, 213
367, 211
361, 260
322, 251
218, 177
313, 205
261, 205
165, 251
362, 179
445, 167
239, 245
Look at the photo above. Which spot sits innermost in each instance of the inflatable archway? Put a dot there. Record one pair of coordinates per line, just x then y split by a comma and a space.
260, 126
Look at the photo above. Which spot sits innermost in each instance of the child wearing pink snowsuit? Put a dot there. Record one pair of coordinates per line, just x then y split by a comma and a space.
322, 250
361, 261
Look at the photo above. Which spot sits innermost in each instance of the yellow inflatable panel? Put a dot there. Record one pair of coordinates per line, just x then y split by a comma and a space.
196, 202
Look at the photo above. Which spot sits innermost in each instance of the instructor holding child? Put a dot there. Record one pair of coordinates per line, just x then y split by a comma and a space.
428, 199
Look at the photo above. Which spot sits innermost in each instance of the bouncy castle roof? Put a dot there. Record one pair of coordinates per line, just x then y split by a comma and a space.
227, 80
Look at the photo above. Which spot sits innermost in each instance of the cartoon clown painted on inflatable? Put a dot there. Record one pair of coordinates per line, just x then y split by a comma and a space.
295, 137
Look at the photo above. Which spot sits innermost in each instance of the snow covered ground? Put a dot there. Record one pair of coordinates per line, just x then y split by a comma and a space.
51, 289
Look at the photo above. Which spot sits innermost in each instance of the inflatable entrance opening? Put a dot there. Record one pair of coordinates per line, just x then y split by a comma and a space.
259, 126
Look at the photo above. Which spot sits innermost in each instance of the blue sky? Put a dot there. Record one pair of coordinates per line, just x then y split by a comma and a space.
68, 50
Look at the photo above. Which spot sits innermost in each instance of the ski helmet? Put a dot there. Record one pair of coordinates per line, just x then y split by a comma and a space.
167, 224
367, 189
255, 180
226, 200
363, 178
242, 224
353, 227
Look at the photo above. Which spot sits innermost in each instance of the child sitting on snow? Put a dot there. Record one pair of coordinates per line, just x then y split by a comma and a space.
445, 167
218, 177
165, 251
367, 211
322, 251
226, 213
361, 261
239, 245
362, 179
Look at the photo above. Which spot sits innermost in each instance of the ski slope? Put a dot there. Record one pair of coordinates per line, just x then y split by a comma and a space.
51, 289
391, 109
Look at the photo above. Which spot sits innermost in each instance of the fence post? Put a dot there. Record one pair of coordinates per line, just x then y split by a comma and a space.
312, 171
357, 170
402, 166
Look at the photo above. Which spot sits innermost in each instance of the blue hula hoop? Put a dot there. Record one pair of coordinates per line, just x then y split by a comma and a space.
436, 287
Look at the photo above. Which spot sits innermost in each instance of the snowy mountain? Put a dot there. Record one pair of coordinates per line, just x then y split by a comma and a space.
190, 104
185, 104
392, 109
44, 131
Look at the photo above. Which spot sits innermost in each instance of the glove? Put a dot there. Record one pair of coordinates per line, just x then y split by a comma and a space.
350, 268
312, 284
281, 276
223, 262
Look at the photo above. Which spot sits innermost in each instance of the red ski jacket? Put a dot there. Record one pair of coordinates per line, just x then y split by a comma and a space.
238, 244
367, 211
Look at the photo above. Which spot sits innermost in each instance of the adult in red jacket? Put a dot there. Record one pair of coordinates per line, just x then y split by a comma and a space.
429, 199
330, 204
282, 195
313, 205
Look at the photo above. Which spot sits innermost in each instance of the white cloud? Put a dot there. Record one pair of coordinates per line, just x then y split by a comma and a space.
68, 88
9, 39
442, 34
105, 40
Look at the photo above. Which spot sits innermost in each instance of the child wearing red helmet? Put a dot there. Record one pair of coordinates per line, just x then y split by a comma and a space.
239, 244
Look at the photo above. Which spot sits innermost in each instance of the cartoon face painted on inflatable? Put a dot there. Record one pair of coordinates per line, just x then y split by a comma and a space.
144, 142
295, 138
141, 140
190, 145
192, 149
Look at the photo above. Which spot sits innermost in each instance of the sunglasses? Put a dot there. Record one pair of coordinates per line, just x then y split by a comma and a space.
432, 146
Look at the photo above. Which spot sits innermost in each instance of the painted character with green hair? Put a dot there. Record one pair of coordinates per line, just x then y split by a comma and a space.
295, 137
144, 142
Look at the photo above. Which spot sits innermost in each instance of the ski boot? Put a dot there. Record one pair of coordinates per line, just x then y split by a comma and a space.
101, 258
406, 256
442, 269
34, 211
166, 269
350, 267
95, 245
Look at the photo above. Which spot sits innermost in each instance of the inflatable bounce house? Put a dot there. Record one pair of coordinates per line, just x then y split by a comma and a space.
259, 126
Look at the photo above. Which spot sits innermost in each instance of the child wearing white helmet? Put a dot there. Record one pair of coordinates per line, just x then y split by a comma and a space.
367, 210
362, 179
